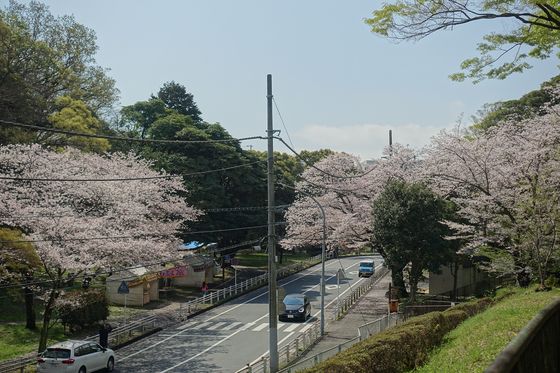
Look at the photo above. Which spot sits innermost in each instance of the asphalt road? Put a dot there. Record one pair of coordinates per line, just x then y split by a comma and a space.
228, 337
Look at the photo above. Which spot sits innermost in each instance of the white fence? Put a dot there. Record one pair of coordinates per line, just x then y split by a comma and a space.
117, 336
364, 332
224, 294
356, 293
288, 352
311, 334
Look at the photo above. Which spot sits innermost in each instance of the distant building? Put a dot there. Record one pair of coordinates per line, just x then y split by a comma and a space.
142, 284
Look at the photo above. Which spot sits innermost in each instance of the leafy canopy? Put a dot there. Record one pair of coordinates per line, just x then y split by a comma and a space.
534, 30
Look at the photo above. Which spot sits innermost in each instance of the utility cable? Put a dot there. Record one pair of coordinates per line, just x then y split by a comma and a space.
131, 178
317, 168
278, 208
121, 138
104, 238
282, 120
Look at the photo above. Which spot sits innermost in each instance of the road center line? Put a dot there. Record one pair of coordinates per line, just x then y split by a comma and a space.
213, 317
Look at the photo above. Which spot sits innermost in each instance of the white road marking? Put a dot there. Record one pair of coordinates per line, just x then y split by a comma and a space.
248, 325
305, 328
202, 325
260, 327
224, 312
187, 324
292, 327
206, 350
217, 325
279, 343
232, 325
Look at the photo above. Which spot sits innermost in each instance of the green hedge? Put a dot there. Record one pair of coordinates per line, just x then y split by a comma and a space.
402, 347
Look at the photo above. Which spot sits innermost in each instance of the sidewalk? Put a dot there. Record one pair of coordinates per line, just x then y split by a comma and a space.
370, 307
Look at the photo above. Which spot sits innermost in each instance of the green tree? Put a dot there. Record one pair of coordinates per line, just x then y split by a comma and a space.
529, 105
74, 115
44, 57
534, 31
176, 97
18, 262
408, 231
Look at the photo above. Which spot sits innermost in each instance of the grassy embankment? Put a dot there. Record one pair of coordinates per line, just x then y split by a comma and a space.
475, 343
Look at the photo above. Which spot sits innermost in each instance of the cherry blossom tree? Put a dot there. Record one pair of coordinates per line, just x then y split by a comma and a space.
85, 226
346, 200
505, 182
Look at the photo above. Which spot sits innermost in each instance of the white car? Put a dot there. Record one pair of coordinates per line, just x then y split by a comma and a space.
76, 357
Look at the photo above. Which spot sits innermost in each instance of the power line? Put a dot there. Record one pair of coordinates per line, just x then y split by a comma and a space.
125, 237
317, 168
121, 138
214, 210
131, 178
282, 120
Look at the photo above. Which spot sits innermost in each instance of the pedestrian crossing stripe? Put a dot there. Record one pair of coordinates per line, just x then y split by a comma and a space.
291, 328
217, 325
261, 327
232, 325
238, 325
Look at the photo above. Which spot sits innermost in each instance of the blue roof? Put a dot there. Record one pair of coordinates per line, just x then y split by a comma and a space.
192, 245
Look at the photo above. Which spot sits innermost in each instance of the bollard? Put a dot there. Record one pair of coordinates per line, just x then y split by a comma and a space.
297, 346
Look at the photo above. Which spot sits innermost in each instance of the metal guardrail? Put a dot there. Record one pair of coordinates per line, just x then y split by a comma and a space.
117, 336
288, 352
221, 295
360, 290
536, 348
364, 331
311, 334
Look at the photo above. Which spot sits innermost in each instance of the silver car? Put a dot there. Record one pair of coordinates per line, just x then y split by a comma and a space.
76, 357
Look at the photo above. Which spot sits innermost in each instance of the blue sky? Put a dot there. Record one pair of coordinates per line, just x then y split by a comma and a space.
337, 85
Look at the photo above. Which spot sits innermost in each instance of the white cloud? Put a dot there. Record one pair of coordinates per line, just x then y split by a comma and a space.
364, 140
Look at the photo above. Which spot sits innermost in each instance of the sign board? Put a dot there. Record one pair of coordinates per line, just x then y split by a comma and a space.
173, 272
123, 288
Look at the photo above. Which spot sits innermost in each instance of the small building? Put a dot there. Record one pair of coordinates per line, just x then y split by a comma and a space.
142, 284
199, 269
470, 281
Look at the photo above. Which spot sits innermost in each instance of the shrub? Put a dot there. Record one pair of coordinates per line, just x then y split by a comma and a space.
82, 308
402, 347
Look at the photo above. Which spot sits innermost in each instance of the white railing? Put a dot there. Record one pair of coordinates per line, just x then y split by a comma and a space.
221, 295
357, 292
288, 352
364, 331
296, 347
117, 336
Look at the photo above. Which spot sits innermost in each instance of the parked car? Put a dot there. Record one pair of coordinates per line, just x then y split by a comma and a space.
296, 307
75, 357
367, 268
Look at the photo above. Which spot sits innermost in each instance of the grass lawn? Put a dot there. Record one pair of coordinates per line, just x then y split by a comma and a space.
474, 344
260, 260
16, 340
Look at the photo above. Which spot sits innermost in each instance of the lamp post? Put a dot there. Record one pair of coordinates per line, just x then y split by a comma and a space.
323, 248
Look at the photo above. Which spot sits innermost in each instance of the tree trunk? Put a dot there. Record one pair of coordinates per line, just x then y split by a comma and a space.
29, 309
49, 306
454, 271
398, 280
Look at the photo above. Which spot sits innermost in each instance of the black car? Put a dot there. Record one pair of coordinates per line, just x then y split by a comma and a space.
296, 307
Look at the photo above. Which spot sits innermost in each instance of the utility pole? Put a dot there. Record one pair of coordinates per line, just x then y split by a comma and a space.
272, 296
390, 143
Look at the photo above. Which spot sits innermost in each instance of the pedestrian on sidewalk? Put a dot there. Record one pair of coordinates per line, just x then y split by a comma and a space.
204, 288
104, 330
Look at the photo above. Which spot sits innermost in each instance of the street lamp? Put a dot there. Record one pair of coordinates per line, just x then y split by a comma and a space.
323, 248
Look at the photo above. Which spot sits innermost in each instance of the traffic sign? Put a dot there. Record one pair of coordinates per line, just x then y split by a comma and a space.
123, 288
